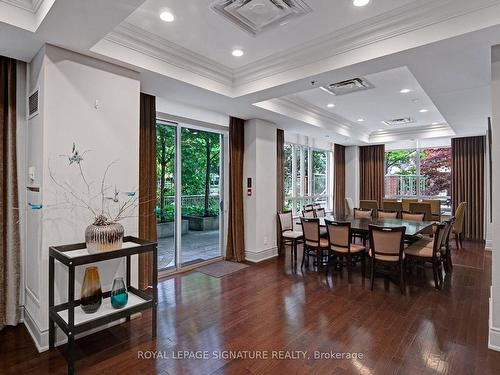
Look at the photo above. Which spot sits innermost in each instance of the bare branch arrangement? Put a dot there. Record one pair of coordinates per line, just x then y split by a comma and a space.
103, 213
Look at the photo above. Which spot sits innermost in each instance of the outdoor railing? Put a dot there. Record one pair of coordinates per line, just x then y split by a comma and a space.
404, 185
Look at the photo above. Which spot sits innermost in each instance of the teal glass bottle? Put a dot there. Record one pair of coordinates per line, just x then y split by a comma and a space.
119, 293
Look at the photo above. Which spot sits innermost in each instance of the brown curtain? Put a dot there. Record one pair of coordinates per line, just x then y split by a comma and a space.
339, 180
10, 249
371, 173
280, 187
147, 185
467, 182
236, 235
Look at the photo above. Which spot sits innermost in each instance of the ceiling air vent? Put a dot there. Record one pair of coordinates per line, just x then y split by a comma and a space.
348, 87
399, 121
255, 16
33, 104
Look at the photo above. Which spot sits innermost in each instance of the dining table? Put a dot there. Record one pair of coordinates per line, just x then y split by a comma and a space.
362, 225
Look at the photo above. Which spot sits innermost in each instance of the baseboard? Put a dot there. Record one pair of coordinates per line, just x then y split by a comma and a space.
494, 332
259, 256
488, 245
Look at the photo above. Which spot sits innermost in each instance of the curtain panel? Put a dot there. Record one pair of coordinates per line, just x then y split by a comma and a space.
147, 185
280, 182
236, 236
339, 180
371, 173
10, 248
467, 182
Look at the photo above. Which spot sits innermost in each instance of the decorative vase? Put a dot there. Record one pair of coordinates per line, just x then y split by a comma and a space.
119, 294
103, 236
91, 294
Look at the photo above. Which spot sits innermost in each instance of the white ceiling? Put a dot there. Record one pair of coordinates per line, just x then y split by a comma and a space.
381, 103
440, 47
194, 19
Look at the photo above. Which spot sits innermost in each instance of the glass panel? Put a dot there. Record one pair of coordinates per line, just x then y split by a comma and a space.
401, 173
287, 172
165, 194
319, 170
200, 195
298, 178
435, 169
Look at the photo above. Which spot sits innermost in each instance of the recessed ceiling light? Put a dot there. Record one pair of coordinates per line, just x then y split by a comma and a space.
424, 110
331, 105
360, 3
167, 16
361, 119
435, 123
237, 52
405, 91
380, 130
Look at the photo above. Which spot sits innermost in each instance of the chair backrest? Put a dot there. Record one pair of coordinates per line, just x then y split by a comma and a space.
308, 207
459, 217
316, 206
339, 234
439, 237
406, 203
308, 214
387, 241
411, 216
320, 212
368, 204
310, 229
285, 220
422, 208
451, 223
387, 214
362, 214
349, 207
392, 206
435, 205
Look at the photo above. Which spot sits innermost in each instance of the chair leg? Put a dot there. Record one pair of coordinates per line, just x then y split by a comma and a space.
363, 266
435, 274
460, 238
303, 257
450, 262
440, 275
456, 241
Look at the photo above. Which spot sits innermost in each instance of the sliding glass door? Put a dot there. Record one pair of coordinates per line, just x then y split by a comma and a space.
189, 195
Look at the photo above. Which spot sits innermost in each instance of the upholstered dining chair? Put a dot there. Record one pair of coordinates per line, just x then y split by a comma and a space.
406, 203
387, 214
366, 204
309, 214
412, 216
287, 235
387, 253
445, 247
314, 245
362, 213
458, 227
422, 208
389, 205
435, 208
320, 212
308, 207
340, 246
429, 252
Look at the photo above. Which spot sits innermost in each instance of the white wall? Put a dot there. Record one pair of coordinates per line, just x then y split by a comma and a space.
69, 85
260, 208
494, 323
352, 174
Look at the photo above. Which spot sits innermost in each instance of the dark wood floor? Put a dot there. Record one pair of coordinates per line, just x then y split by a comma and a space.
271, 307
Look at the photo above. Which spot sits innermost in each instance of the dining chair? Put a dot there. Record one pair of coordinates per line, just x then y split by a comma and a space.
308, 207
387, 214
340, 246
406, 203
320, 212
458, 227
424, 208
360, 213
349, 207
287, 235
435, 208
392, 206
368, 204
412, 216
309, 214
429, 252
387, 253
314, 245
446, 248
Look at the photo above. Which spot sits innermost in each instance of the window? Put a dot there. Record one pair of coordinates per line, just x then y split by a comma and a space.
307, 177
419, 173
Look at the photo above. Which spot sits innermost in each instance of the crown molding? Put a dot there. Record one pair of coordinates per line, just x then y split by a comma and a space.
29, 5
426, 131
388, 25
152, 45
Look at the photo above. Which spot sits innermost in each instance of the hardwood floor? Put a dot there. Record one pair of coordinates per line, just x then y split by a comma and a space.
272, 307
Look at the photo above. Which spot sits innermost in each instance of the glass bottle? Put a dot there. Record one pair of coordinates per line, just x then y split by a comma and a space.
91, 293
119, 294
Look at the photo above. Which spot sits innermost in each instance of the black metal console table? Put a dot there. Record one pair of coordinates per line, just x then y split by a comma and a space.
73, 322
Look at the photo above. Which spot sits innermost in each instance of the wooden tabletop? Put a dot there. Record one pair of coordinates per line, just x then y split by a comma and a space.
361, 225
